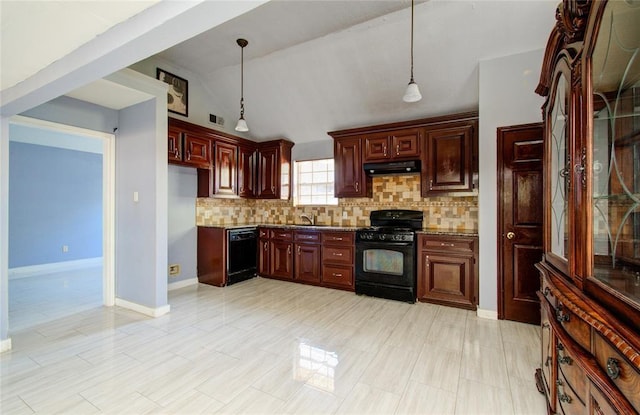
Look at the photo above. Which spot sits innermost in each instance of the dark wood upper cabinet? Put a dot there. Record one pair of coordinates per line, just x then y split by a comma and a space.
247, 174
448, 165
238, 167
225, 169
350, 180
446, 147
188, 148
402, 144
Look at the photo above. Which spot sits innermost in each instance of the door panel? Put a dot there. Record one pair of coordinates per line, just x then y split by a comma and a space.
520, 151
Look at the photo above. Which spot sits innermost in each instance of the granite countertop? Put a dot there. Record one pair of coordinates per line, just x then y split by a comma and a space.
425, 231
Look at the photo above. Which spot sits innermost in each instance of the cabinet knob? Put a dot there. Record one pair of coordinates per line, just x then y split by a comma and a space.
511, 235
565, 360
431, 184
613, 369
397, 149
357, 186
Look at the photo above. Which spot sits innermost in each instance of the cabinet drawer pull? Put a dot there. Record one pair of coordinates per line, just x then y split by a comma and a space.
397, 149
562, 318
298, 250
613, 370
336, 239
336, 253
565, 398
289, 250
336, 274
384, 151
565, 360
266, 246
431, 184
446, 244
188, 155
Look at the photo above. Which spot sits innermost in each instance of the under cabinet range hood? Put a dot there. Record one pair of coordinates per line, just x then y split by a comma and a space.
392, 167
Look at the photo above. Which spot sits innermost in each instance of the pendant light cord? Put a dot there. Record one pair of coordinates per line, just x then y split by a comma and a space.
242, 82
411, 41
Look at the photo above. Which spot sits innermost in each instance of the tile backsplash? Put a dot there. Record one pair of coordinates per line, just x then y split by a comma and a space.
447, 213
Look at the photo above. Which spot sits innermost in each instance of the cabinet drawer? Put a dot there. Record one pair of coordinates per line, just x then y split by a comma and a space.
599, 404
545, 289
577, 328
574, 377
306, 236
448, 244
281, 234
335, 275
338, 238
567, 400
337, 255
623, 374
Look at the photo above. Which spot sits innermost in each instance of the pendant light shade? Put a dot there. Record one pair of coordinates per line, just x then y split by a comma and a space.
242, 124
412, 94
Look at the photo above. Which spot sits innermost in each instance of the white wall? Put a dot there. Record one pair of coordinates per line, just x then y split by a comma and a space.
507, 98
5, 341
182, 231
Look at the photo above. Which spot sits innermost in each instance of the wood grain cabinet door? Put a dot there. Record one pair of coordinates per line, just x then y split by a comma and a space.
263, 258
225, 169
377, 148
307, 263
449, 164
446, 279
197, 151
281, 259
174, 145
246, 172
349, 176
405, 144
268, 173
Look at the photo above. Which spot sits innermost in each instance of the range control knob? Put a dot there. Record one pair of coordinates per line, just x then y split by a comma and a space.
382, 236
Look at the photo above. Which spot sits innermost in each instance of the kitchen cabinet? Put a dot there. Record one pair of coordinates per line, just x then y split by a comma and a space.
449, 159
447, 270
446, 147
338, 258
281, 254
263, 252
350, 179
393, 145
211, 258
226, 169
590, 268
188, 148
274, 170
307, 259
247, 174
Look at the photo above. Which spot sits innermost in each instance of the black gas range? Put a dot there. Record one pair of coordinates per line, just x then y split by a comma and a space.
386, 255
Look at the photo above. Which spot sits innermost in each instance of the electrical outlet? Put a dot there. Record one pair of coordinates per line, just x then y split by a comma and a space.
174, 270
65, 248
344, 215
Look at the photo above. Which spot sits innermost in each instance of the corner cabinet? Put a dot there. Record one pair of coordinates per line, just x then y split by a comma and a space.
446, 147
590, 270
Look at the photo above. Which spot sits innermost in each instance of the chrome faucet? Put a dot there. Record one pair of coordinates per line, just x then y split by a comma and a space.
311, 218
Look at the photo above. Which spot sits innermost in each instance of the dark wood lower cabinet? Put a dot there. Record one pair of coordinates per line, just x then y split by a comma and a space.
211, 258
447, 270
307, 256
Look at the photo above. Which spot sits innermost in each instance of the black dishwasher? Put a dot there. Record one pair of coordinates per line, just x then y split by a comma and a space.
242, 252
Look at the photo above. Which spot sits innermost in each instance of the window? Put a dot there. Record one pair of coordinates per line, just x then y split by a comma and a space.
314, 182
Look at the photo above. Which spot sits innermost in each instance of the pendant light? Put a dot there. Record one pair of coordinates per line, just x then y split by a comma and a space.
412, 94
242, 124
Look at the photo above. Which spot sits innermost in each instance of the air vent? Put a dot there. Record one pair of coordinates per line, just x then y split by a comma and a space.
216, 119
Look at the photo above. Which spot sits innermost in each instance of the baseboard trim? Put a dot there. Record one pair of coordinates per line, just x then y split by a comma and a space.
488, 314
143, 309
5, 345
35, 270
181, 284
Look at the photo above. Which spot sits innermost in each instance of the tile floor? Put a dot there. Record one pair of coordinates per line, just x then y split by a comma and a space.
271, 347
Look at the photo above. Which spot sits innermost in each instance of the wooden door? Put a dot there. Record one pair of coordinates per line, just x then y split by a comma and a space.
349, 176
197, 151
449, 160
246, 171
225, 168
405, 143
307, 264
281, 259
268, 178
520, 217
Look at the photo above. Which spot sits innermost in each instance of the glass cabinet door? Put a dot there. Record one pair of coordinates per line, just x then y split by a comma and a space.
615, 157
560, 172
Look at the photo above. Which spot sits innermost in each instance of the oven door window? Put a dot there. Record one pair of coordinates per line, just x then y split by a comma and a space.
383, 261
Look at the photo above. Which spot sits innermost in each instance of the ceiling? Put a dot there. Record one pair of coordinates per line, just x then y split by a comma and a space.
317, 66
311, 66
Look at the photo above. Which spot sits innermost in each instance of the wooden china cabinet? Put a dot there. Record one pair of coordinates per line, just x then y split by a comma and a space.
590, 270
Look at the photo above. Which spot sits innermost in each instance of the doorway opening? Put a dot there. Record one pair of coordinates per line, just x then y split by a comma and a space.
61, 221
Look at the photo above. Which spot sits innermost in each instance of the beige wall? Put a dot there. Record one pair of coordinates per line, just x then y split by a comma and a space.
451, 213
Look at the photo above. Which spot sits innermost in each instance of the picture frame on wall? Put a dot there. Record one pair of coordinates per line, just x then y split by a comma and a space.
178, 93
